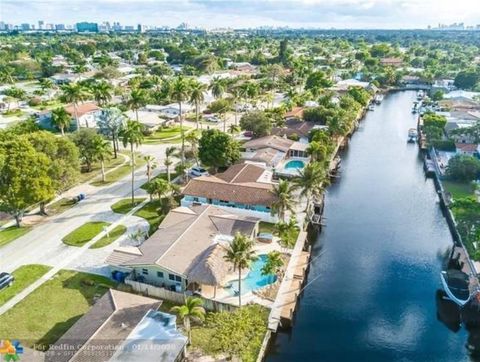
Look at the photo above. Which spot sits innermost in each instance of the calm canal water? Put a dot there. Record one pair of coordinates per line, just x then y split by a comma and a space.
376, 264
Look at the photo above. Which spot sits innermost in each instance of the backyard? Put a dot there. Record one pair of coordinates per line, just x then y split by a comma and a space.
48, 312
458, 189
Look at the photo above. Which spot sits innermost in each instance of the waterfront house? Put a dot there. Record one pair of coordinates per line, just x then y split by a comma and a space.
187, 251
294, 127
245, 188
469, 149
121, 327
391, 62
285, 157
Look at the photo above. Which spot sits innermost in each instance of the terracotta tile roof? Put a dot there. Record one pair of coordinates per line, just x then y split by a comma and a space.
296, 112
241, 172
278, 143
82, 109
467, 147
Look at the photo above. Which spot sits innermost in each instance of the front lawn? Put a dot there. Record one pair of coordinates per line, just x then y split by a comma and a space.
120, 172
165, 134
96, 168
24, 276
152, 213
59, 206
117, 231
84, 233
11, 233
48, 312
125, 206
239, 333
458, 189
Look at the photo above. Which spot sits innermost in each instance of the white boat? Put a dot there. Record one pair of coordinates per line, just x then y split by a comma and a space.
378, 98
412, 135
371, 107
455, 284
420, 95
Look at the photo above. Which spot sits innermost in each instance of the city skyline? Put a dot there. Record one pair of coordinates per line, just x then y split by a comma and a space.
366, 14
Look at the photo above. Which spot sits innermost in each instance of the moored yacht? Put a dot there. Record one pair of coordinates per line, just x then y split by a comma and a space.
412, 135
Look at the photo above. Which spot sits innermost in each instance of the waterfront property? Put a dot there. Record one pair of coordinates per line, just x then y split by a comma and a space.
124, 327
277, 152
244, 187
186, 252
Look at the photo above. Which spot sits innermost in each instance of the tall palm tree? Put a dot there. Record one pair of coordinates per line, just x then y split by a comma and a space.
285, 200
197, 96
45, 84
151, 164
317, 151
138, 99
102, 149
102, 92
180, 92
217, 86
61, 119
169, 153
74, 93
311, 182
132, 133
192, 138
6, 75
288, 232
241, 254
191, 310
110, 122
159, 187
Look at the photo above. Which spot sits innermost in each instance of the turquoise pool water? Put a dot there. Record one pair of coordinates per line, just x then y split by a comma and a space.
294, 164
254, 279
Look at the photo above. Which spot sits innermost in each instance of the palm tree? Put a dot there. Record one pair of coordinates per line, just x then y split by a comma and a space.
197, 97
151, 163
169, 153
45, 84
273, 264
180, 92
233, 128
241, 254
217, 86
192, 138
191, 310
285, 200
137, 100
288, 232
61, 119
158, 187
132, 134
74, 93
102, 92
102, 149
6, 75
311, 182
110, 122
317, 151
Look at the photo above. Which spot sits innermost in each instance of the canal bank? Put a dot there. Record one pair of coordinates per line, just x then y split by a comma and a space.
373, 281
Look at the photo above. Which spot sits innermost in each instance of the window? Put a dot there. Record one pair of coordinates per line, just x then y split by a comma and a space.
145, 271
178, 279
160, 274
195, 199
171, 276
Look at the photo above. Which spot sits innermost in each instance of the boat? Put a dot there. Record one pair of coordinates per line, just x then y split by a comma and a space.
420, 95
456, 285
412, 135
371, 107
378, 99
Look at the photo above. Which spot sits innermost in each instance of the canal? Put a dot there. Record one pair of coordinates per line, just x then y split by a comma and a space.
375, 271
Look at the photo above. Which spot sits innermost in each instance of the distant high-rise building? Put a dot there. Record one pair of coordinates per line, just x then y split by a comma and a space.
87, 27
117, 26
3, 26
141, 28
182, 26
60, 27
41, 23
129, 28
25, 26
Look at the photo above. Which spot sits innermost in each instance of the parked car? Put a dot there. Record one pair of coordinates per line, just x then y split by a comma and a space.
211, 118
6, 280
197, 171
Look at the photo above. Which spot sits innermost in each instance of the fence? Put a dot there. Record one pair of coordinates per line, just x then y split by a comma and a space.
178, 298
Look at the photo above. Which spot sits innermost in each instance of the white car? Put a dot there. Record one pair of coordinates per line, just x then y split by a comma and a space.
197, 171
211, 118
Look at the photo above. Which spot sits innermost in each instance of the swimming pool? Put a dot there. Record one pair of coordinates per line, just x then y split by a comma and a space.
255, 279
294, 164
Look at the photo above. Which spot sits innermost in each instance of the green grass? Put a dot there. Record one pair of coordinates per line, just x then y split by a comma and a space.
48, 312
173, 174
458, 189
120, 172
11, 233
266, 227
84, 233
125, 206
13, 113
150, 213
24, 276
118, 231
165, 134
59, 206
96, 169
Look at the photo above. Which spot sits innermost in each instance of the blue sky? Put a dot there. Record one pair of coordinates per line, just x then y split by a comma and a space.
247, 13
